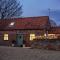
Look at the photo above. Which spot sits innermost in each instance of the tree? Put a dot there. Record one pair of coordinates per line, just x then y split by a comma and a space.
10, 9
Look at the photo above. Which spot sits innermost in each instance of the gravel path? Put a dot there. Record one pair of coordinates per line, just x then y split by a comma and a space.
17, 53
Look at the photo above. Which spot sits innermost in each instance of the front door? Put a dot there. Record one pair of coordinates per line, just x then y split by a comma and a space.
20, 40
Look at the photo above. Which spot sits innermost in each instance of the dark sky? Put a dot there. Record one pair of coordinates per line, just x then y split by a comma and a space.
41, 8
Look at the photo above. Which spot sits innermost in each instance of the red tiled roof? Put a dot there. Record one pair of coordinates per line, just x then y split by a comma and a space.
32, 23
25, 23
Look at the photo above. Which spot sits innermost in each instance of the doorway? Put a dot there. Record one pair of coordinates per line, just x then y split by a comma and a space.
20, 40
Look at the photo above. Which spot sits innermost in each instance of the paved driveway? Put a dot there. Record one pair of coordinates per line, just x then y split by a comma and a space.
16, 53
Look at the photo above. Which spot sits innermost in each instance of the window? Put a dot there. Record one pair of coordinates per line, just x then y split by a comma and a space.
32, 36
5, 36
52, 36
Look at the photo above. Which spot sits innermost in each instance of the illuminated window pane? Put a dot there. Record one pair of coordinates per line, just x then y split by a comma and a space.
52, 36
32, 36
5, 36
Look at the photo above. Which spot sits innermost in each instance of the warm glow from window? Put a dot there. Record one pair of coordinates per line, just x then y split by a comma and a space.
5, 36
45, 35
52, 36
32, 36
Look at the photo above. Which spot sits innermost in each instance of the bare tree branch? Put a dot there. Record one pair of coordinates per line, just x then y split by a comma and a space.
10, 9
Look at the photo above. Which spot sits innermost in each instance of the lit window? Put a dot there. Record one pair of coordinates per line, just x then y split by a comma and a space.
45, 35
52, 36
5, 36
32, 36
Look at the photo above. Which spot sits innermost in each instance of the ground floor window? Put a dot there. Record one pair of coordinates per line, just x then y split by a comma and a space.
5, 36
52, 36
32, 36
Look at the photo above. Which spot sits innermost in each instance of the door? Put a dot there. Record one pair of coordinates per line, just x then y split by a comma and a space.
20, 40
